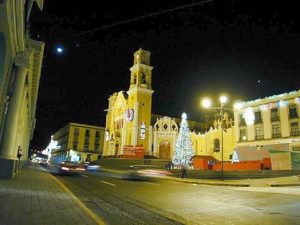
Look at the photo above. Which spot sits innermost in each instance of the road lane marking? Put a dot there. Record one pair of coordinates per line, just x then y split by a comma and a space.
84, 175
151, 183
108, 183
115, 176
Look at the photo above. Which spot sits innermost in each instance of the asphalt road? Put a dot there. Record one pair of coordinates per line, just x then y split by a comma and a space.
158, 201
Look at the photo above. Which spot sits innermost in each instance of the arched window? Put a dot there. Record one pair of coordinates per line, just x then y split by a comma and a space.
144, 79
216, 145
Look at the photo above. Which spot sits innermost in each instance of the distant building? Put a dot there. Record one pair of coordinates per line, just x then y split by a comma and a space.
80, 142
20, 70
271, 123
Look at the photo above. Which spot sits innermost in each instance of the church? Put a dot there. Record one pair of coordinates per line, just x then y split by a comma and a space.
132, 131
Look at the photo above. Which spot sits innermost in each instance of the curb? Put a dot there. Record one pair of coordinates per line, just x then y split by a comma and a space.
284, 185
211, 183
92, 215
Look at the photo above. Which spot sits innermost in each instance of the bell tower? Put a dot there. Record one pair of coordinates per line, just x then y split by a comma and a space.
139, 130
141, 71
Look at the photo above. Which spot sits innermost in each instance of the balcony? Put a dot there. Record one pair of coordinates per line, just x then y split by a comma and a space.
276, 135
295, 133
258, 121
275, 118
259, 137
242, 123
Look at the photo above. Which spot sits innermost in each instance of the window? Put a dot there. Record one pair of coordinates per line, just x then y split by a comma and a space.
76, 131
243, 135
97, 140
258, 117
276, 131
87, 133
274, 114
259, 133
216, 145
242, 121
293, 111
294, 129
86, 139
143, 79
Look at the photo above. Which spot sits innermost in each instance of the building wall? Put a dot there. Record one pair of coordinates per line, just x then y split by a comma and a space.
278, 111
121, 130
204, 144
20, 69
68, 139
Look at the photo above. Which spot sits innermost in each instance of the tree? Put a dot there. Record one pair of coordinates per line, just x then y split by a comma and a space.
184, 152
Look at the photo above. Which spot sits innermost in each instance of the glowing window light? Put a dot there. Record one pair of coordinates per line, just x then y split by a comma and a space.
249, 116
264, 107
283, 103
297, 100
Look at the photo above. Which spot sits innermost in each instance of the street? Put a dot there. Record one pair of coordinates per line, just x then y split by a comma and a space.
159, 201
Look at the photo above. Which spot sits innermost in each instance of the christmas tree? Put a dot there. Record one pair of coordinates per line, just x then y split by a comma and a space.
184, 152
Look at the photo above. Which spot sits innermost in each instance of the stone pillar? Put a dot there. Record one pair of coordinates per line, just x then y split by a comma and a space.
266, 116
284, 121
251, 132
150, 141
135, 124
8, 150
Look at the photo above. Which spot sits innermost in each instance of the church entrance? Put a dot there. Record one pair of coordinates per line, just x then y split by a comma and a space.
164, 150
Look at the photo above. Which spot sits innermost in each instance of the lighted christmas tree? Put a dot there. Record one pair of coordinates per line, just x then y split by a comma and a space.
184, 152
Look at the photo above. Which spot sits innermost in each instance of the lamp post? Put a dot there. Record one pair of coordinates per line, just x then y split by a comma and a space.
206, 103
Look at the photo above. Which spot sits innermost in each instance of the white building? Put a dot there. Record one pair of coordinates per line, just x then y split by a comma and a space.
270, 123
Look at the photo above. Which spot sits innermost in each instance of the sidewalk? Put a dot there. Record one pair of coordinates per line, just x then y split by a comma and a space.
34, 196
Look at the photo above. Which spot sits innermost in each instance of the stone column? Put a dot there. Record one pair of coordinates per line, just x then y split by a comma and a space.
266, 116
284, 121
251, 132
150, 141
135, 124
11, 123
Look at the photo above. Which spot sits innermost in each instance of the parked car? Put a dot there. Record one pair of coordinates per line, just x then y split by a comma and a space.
67, 167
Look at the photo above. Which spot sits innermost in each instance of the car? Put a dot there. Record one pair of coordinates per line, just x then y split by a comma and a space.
68, 167
144, 172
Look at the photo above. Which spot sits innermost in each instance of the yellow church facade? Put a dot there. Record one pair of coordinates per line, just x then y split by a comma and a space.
128, 122
129, 113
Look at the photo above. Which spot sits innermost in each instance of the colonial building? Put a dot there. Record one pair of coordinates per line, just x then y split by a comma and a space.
270, 123
20, 70
129, 113
79, 142
130, 124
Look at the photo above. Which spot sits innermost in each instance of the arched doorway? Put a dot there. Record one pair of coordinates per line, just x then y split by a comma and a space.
164, 150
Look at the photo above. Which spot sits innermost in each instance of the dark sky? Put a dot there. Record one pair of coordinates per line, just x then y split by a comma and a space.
248, 49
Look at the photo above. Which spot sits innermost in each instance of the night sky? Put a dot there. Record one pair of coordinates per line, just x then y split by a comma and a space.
247, 49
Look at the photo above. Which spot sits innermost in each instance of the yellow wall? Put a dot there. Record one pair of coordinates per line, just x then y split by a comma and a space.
204, 143
65, 139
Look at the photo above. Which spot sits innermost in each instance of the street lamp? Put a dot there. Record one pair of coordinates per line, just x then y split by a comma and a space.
206, 103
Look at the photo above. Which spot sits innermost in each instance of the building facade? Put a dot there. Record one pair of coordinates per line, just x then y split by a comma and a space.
20, 70
271, 123
129, 113
130, 123
78, 142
